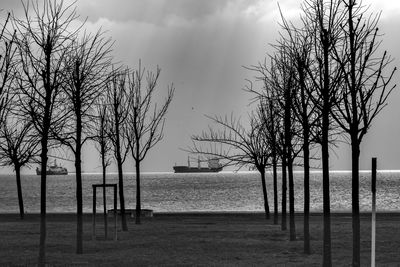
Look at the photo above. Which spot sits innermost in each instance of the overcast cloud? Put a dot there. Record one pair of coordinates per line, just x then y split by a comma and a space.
201, 47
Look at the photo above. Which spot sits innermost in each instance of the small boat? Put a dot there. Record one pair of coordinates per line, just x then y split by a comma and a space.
213, 166
53, 170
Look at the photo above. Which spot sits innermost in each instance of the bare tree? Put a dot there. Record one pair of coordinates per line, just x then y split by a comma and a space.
283, 81
323, 20
104, 147
117, 109
87, 63
298, 45
18, 148
238, 145
279, 82
364, 91
43, 37
269, 111
273, 125
145, 120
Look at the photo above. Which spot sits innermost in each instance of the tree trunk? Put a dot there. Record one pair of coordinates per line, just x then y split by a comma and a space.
79, 201
355, 146
42, 245
275, 178
355, 149
326, 207
326, 109
274, 160
292, 225
138, 196
19, 189
289, 160
284, 189
121, 194
104, 167
119, 167
264, 188
305, 121
306, 222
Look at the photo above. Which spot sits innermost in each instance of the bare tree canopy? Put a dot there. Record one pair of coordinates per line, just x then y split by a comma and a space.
238, 145
116, 97
366, 77
43, 38
145, 121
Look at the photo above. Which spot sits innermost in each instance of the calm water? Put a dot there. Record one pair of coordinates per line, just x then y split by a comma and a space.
169, 192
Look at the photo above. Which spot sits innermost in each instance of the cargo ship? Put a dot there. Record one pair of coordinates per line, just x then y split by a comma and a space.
53, 170
213, 166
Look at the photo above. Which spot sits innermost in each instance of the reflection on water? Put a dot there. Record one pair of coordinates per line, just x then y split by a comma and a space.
170, 192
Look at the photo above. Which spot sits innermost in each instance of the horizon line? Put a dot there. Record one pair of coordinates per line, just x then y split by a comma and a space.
224, 171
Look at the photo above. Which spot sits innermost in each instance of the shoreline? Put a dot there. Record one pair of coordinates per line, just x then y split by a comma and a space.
206, 214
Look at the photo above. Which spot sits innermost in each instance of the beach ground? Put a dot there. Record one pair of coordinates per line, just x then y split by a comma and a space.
204, 239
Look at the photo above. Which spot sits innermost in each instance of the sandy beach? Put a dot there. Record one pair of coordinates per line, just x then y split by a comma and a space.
187, 239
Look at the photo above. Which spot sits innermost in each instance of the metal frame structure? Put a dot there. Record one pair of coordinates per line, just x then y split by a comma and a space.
95, 186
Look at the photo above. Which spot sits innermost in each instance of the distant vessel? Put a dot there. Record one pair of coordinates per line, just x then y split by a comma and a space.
53, 170
213, 166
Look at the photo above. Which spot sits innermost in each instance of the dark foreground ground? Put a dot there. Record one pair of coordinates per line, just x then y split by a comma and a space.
194, 239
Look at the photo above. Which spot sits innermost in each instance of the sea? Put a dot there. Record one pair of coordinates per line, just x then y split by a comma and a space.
199, 192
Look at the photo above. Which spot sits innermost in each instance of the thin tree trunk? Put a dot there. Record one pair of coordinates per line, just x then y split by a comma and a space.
265, 195
289, 160
274, 161
292, 225
306, 222
138, 196
306, 155
275, 181
355, 147
284, 189
103, 164
327, 258
42, 244
79, 201
121, 194
355, 200
327, 261
19, 189
120, 177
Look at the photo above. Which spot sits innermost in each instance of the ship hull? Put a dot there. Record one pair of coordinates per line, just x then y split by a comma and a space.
185, 169
38, 172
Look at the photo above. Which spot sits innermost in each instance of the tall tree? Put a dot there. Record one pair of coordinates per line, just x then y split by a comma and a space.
145, 120
298, 45
269, 111
43, 37
282, 80
272, 124
87, 63
279, 79
364, 92
323, 20
238, 145
117, 109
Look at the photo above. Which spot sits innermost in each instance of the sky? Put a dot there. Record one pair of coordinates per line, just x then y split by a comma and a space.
202, 48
